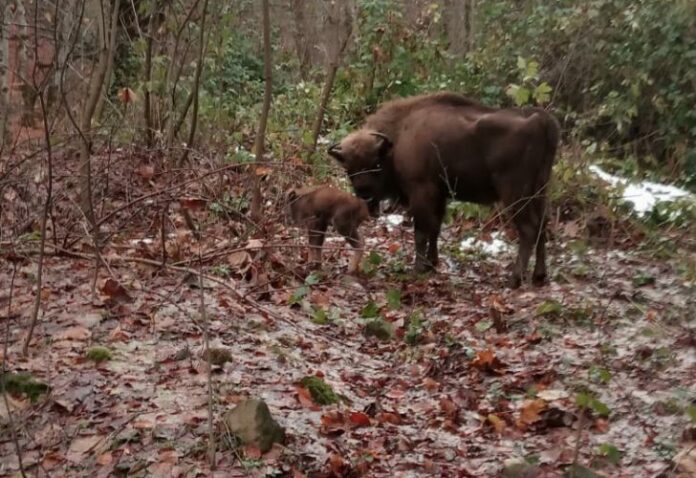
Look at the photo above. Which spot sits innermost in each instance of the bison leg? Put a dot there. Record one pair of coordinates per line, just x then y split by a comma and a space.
539, 274
349, 230
427, 220
317, 232
527, 238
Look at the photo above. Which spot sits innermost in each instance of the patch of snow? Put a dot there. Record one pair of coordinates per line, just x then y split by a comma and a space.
323, 140
644, 195
494, 247
391, 220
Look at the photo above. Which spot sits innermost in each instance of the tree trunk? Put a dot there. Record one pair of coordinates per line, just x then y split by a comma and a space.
109, 66
196, 87
261, 132
95, 87
147, 103
4, 78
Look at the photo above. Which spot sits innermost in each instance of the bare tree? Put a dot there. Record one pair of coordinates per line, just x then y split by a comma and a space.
338, 28
261, 132
196, 86
89, 106
4, 77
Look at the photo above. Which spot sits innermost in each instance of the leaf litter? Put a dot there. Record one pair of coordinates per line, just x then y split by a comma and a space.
472, 377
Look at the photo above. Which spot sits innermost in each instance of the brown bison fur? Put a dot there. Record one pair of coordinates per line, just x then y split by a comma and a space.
314, 208
427, 149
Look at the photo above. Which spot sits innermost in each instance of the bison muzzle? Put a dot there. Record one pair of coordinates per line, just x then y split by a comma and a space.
424, 150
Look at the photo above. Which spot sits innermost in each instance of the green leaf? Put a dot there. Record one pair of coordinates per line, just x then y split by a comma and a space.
374, 258
313, 278
370, 311
640, 280
542, 93
612, 453
521, 63
319, 316
599, 408
298, 295
483, 325
599, 374
583, 400
393, 299
691, 411
532, 71
518, 93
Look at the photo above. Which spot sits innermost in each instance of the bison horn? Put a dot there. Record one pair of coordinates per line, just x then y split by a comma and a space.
383, 136
335, 151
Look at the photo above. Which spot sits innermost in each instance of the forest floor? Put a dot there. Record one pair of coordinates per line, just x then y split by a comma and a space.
596, 368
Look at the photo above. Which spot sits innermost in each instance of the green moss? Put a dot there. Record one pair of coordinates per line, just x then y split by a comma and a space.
22, 384
99, 354
321, 392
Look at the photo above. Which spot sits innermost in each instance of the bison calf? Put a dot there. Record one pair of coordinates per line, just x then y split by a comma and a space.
316, 207
425, 150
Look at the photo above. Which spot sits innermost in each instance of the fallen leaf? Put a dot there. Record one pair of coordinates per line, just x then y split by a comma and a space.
529, 412
145, 171
498, 424
252, 452
74, 333
192, 204
143, 424
359, 419
105, 458
81, 445
114, 290
238, 258
305, 399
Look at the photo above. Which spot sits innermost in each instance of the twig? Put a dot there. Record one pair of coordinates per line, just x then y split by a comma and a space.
49, 197
10, 418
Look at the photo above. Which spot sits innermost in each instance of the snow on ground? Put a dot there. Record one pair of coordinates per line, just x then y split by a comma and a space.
493, 247
644, 195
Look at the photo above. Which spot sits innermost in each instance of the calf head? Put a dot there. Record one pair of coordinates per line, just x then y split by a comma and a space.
363, 154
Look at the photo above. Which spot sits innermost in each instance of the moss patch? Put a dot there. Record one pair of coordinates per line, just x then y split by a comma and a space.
321, 392
22, 384
99, 354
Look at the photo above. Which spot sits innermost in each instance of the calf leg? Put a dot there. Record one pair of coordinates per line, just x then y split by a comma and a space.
349, 230
317, 231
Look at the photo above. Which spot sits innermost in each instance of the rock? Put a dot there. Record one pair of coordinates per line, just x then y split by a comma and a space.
252, 423
519, 468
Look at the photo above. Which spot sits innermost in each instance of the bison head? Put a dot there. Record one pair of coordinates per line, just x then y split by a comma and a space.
363, 155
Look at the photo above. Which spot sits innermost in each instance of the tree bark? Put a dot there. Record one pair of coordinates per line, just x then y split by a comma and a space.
4, 77
335, 52
109, 66
95, 86
196, 87
261, 132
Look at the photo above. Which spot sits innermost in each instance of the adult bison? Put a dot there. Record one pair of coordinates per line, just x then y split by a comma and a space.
427, 149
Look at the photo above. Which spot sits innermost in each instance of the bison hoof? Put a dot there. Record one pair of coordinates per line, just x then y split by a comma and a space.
539, 279
422, 268
514, 282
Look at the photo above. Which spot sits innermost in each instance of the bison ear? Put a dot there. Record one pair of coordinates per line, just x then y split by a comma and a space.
336, 152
